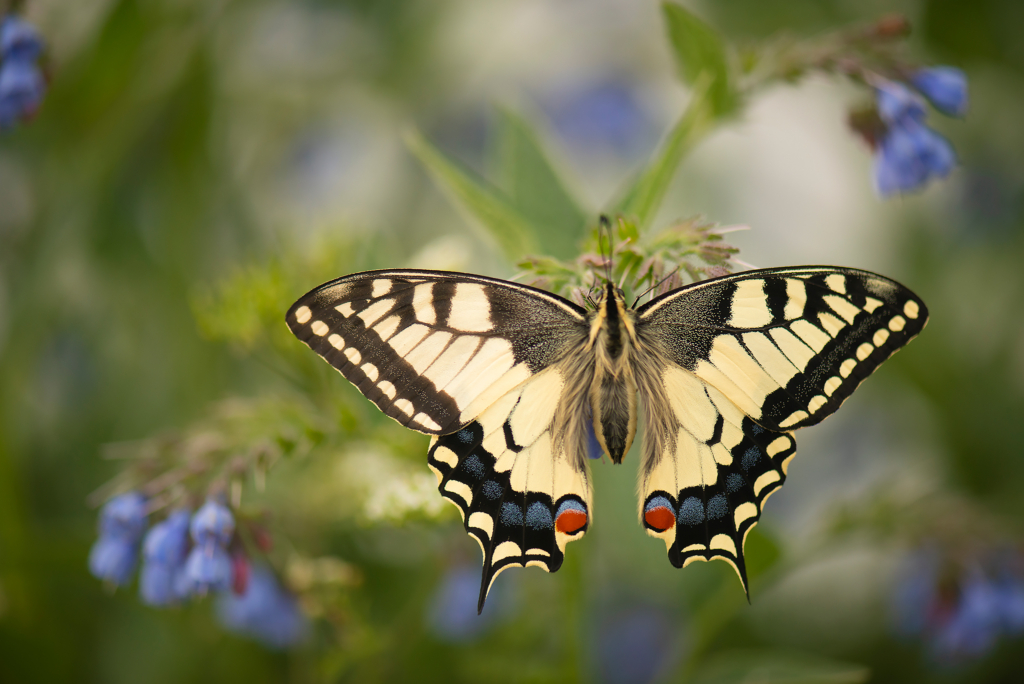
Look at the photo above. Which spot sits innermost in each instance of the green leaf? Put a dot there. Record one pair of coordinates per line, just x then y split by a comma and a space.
486, 204
535, 188
774, 667
644, 198
699, 49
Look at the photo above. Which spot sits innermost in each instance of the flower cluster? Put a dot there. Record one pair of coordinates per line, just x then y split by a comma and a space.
21, 81
908, 153
960, 609
654, 263
189, 555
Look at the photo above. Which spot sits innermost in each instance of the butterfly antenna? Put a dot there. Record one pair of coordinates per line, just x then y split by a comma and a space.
605, 227
655, 286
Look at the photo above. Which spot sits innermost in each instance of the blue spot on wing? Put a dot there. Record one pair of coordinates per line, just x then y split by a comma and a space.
734, 483
511, 514
718, 507
750, 458
691, 512
474, 466
491, 489
538, 516
465, 436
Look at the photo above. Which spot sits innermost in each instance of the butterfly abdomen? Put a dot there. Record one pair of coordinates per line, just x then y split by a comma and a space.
613, 393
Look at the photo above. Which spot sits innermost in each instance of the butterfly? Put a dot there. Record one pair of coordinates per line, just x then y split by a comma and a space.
514, 382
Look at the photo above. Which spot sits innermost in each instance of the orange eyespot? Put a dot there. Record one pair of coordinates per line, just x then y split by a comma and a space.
571, 521
660, 518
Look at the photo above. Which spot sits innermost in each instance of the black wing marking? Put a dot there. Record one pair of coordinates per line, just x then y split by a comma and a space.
433, 349
789, 345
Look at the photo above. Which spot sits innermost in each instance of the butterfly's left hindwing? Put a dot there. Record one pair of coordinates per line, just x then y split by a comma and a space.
520, 497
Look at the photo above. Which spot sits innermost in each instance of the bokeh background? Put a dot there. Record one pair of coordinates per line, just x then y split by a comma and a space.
185, 144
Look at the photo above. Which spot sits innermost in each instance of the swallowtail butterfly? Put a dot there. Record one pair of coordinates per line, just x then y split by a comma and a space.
513, 383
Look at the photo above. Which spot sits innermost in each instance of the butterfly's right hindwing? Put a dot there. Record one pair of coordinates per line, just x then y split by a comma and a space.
434, 349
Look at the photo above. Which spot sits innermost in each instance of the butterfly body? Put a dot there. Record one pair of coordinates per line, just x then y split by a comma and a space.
513, 383
613, 386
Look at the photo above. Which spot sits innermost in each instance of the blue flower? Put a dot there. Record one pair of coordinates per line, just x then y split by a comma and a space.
124, 516
1010, 593
634, 644
112, 559
945, 87
605, 115
208, 568
213, 523
909, 155
452, 611
265, 611
896, 103
167, 541
19, 40
163, 580
122, 522
21, 82
960, 614
974, 625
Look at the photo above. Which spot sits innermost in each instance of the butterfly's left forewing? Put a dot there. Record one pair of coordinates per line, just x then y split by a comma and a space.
433, 349
494, 370
727, 367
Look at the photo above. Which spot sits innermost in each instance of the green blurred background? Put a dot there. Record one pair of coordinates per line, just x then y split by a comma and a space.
184, 144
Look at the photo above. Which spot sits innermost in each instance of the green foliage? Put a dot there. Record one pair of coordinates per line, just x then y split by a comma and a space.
701, 55
536, 190
485, 204
772, 667
645, 195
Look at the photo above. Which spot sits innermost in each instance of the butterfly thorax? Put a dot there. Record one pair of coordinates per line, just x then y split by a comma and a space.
613, 392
